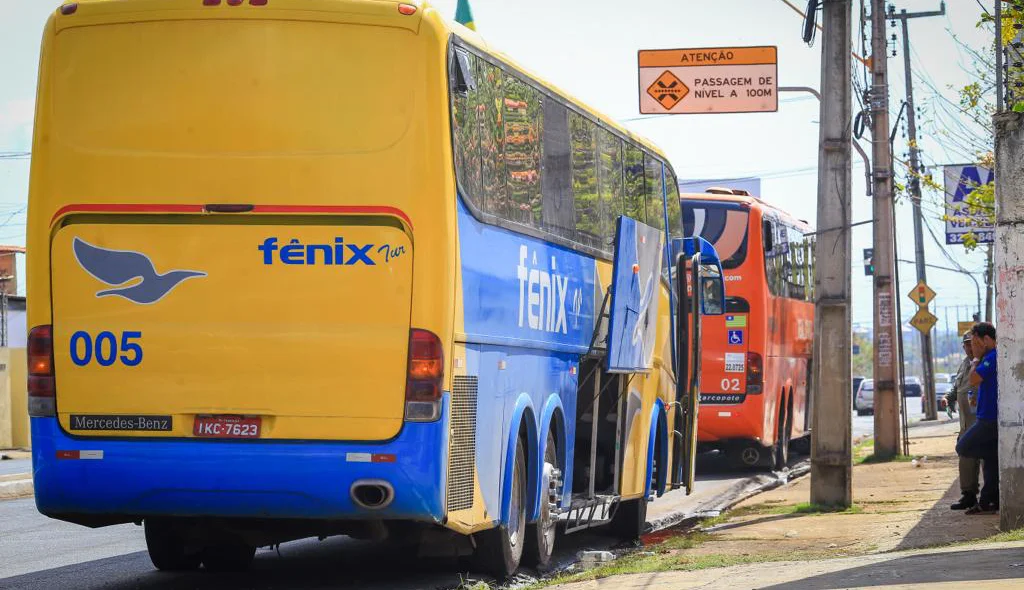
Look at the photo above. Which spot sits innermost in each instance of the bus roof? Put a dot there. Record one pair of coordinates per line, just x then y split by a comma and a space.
750, 201
475, 39
97, 11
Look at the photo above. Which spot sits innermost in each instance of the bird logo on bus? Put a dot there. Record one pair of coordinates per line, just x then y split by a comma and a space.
132, 273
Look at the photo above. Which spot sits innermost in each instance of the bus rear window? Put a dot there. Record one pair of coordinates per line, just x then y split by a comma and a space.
235, 86
723, 225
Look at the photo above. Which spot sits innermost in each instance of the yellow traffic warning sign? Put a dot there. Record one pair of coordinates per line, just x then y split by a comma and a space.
964, 327
921, 294
923, 320
668, 89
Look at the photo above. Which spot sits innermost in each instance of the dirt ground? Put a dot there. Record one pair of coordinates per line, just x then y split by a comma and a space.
898, 506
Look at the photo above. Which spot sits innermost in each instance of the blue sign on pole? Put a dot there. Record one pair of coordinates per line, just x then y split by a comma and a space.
959, 182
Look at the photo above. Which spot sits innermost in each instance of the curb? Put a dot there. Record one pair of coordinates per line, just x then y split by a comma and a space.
19, 488
739, 492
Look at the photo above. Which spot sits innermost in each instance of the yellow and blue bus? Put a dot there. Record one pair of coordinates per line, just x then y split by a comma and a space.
315, 267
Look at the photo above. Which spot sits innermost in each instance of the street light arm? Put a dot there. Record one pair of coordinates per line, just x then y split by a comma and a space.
856, 146
977, 287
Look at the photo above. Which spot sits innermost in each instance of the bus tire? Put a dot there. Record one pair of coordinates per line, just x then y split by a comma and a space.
780, 450
801, 446
167, 548
228, 557
500, 549
630, 520
540, 538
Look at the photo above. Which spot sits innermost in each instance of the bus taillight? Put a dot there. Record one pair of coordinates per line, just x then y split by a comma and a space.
426, 373
755, 373
42, 392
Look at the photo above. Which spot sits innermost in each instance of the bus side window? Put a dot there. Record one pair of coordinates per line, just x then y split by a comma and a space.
558, 215
609, 181
769, 238
465, 127
655, 195
492, 139
774, 259
675, 213
522, 117
584, 181
634, 184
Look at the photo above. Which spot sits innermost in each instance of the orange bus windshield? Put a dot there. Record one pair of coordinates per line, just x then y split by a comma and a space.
722, 224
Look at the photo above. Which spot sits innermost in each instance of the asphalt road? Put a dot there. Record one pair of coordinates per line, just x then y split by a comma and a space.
40, 553
865, 425
12, 466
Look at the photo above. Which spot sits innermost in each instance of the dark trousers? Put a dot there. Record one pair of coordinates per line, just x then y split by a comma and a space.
981, 442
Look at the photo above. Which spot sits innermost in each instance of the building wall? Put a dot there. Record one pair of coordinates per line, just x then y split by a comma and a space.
6, 410
17, 332
17, 369
14, 424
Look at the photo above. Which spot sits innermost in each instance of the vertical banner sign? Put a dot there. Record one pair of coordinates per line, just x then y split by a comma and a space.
884, 322
959, 182
717, 80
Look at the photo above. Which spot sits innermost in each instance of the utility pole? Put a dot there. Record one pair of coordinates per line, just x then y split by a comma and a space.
887, 386
928, 366
988, 285
831, 465
1009, 258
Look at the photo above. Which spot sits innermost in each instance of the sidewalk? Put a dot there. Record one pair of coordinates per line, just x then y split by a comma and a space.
900, 511
15, 474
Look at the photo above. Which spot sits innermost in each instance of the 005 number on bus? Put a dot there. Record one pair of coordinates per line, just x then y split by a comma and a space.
106, 349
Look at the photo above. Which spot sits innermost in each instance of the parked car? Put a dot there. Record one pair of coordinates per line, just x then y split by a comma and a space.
941, 389
943, 378
864, 401
912, 387
856, 386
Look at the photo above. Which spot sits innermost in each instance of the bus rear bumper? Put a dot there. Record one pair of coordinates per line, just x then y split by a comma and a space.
123, 480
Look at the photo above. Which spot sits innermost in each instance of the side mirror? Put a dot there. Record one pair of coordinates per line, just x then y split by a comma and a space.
712, 289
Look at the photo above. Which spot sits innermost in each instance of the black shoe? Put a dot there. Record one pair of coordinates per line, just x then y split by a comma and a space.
966, 501
983, 509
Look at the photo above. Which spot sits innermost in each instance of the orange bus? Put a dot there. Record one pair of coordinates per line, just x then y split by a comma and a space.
755, 394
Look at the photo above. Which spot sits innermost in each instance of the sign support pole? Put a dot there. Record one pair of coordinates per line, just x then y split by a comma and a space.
928, 366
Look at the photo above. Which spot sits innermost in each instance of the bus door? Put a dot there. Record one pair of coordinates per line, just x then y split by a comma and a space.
701, 295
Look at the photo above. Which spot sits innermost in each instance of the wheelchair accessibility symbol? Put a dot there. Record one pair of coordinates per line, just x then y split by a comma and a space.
735, 337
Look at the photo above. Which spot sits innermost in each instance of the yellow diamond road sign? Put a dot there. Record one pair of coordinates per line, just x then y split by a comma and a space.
668, 90
924, 320
922, 294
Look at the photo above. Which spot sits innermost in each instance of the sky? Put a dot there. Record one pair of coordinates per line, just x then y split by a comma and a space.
589, 50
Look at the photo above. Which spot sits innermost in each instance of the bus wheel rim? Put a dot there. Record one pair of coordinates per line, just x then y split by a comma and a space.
750, 455
515, 519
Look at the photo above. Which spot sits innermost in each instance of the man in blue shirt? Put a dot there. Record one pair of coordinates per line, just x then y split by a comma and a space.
981, 440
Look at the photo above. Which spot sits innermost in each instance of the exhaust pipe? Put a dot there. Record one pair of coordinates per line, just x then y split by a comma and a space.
372, 494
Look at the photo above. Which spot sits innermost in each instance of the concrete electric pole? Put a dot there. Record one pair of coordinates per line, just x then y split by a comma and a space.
831, 466
886, 324
1009, 270
928, 365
